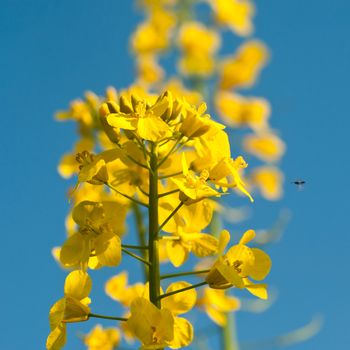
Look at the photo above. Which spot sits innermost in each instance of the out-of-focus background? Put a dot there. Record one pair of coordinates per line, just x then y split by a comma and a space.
52, 51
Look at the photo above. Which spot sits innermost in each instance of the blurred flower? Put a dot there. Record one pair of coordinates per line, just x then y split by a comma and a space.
266, 146
242, 70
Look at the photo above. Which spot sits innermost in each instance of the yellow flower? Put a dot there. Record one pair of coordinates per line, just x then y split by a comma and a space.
269, 181
158, 328
188, 240
217, 304
198, 45
145, 120
102, 339
239, 263
92, 169
239, 111
71, 308
152, 326
182, 302
195, 124
118, 289
236, 14
68, 164
193, 188
97, 242
186, 226
195, 38
225, 174
242, 70
266, 146
153, 35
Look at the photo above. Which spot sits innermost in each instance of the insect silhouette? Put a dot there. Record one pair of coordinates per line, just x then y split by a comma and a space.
299, 183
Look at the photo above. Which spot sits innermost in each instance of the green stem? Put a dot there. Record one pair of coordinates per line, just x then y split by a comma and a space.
141, 231
153, 226
171, 215
179, 274
126, 196
130, 246
167, 193
108, 317
136, 257
229, 334
182, 290
170, 175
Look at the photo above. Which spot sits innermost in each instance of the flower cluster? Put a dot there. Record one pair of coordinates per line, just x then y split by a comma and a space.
169, 158
153, 151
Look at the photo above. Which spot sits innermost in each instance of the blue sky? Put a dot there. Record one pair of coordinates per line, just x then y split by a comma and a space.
54, 50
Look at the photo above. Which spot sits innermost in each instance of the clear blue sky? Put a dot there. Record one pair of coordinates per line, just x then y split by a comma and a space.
54, 50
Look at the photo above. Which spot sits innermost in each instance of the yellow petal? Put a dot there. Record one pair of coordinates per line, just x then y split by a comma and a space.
247, 237
89, 171
57, 338
219, 317
262, 265
183, 333
115, 286
149, 324
181, 302
111, 252
121, 121
56, 313
177, 253
73, 250
259, 290
75, 311
152, 128
78, 285
202, 244
224, 239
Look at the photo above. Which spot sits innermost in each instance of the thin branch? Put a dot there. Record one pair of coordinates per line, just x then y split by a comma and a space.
108, 317
170, 175
134, 246
126, 196
168, 193
182, 290
170, 216
136, 257
180, 274
142, 191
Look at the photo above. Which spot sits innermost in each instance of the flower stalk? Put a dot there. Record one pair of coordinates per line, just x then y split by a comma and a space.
153, 229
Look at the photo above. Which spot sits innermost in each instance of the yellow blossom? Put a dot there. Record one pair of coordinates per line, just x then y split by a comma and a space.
71, 308
193, 188
239, 263
236, 14
225, 174
68, 165
146, 121
118, 289
269, 181
97, 238
152, 326
102, 338
196, 123
217, 304
242, 70
239, 111
198, 45
266, 146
